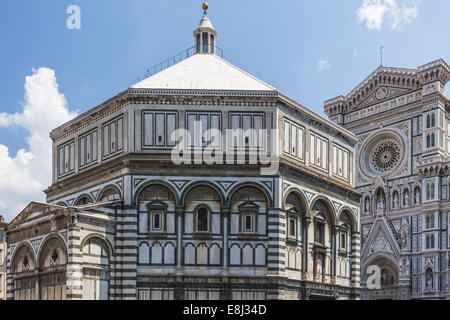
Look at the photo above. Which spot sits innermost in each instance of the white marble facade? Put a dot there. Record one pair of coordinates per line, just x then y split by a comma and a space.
401, 119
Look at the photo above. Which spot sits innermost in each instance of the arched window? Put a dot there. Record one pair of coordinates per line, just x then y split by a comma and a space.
96, 255
428, 191
429, 221
433, 140
428, 141
295, 209
433, 120
428, 121
52, 262
432, 191
429, 241
202, 220
158, 201
83, 201
110, 194
23, 268
251, 205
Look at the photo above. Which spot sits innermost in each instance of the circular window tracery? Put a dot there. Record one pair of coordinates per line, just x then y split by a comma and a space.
385, 156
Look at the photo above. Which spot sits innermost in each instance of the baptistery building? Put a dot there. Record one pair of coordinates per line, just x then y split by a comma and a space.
200, 182
402, 121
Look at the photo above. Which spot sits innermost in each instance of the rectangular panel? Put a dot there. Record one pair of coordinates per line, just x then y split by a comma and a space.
89, 148
294, 150
106, 140
335, 157
171, 128
215, 125
287, 145
94, 146
247, 126
235, 135
258, 125
160, 132
83, 151
346, 164
191, 127
203, 138
312, 149
148, 129
119, 134
340, 169
66, 158
61, 160
300, 143
72, 156
113, 137
324, 164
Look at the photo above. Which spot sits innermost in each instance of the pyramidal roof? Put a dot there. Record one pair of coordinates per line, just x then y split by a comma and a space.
203, 72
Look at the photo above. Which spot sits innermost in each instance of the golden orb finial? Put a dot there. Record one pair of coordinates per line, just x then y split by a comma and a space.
205, 6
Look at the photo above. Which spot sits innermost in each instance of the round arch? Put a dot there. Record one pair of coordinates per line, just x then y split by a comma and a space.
44, 243
378, 256
101, 237
381, 259
199, 184
17, 249
250, 185
328, 204
84, 195
300, 194
351, 214
106, 188
147, 184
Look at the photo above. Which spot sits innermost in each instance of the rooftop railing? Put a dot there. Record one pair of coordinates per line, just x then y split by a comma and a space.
180, 57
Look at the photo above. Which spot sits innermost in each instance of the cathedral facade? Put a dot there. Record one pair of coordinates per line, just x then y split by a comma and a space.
402, 121
126, 218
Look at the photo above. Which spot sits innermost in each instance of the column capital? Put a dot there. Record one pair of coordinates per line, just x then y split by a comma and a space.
179, 210
226, 211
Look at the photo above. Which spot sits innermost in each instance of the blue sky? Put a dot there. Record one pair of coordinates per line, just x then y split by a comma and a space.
310, 50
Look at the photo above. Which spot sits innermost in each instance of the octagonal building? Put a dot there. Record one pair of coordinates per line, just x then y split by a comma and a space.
274, 216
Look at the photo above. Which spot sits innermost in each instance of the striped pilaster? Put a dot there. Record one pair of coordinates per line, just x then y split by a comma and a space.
356, 260
74, 265
276, 255
125, 257
9, 276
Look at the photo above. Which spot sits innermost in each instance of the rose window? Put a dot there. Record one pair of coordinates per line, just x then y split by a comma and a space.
385, 156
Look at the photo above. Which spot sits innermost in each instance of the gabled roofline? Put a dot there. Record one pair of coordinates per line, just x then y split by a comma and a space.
392, 71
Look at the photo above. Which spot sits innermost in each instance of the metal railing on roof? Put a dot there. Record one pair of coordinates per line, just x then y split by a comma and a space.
180, 57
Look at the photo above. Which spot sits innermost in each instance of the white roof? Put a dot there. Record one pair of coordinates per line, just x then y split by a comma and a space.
203, 72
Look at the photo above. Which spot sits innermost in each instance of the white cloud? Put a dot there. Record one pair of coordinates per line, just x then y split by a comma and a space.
375, 12
323, 64
24, 176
